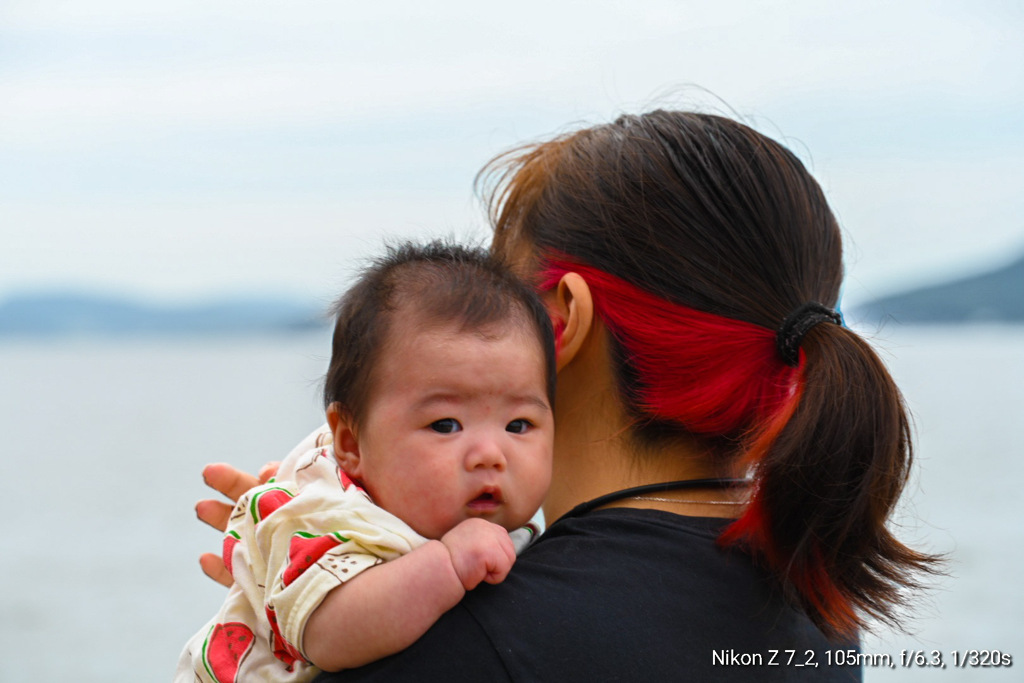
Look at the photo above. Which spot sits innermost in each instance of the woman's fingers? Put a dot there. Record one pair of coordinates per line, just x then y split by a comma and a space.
232, 482
228, 480
213, 566
215, 513
268, 471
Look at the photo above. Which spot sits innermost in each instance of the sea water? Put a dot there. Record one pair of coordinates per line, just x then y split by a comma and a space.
103, 442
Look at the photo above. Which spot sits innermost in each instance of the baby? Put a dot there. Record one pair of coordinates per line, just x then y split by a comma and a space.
438, 399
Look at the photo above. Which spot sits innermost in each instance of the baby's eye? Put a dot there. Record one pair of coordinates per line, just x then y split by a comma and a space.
519, 426
446, 425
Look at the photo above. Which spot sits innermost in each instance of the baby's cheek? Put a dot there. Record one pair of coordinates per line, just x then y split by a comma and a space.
434, 513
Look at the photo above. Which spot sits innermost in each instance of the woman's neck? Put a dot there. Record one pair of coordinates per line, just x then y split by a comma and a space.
608, 465
593, 450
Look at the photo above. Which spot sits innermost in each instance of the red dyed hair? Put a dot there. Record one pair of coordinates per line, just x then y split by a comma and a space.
711, 374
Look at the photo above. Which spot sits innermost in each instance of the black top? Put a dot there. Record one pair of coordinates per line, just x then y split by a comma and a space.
621, 594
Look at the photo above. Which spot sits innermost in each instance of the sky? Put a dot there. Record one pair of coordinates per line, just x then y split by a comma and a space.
177, 151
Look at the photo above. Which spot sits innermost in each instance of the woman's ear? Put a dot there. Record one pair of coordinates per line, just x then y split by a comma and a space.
573, 307
346, 439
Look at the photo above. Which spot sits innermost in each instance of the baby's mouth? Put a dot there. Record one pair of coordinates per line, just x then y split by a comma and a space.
487, 500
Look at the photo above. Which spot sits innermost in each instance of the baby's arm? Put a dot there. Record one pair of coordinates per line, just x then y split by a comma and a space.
385, 609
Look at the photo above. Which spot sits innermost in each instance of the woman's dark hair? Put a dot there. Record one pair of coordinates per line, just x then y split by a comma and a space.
438, 282
703, 215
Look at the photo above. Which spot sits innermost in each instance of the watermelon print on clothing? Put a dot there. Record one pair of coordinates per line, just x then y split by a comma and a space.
305, 549
287, 545
266, 502
282, 649
231, 539
225, 649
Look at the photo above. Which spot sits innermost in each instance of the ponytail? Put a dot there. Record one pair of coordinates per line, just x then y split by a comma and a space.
829, 469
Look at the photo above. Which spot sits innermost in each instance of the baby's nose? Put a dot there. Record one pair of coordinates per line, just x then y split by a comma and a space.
486, 453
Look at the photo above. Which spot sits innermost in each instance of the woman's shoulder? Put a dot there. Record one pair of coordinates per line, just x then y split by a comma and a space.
592, 593
596, 590
587, 568
621, 535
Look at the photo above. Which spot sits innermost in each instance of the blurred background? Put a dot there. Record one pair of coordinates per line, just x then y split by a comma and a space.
165, 166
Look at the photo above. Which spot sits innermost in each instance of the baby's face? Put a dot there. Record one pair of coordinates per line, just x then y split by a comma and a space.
458, 425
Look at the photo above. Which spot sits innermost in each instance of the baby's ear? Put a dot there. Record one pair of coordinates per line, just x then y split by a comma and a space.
346, 439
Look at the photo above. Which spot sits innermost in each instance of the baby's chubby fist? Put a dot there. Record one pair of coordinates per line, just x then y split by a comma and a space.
480, 551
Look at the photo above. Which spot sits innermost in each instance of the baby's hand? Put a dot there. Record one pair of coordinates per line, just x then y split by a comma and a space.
481, 551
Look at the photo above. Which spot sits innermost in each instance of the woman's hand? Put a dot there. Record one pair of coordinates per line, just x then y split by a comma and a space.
232, 483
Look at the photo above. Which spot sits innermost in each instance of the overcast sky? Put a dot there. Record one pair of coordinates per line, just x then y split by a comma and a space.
179, 150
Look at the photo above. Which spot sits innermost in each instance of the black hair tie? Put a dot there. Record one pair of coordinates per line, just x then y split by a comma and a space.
797, 324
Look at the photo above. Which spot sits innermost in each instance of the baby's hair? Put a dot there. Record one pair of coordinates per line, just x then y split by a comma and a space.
439, 282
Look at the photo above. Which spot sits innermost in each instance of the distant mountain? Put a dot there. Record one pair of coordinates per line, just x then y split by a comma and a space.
996, 296
57, 314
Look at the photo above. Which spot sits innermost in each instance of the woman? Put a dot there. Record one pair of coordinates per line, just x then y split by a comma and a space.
691, 267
